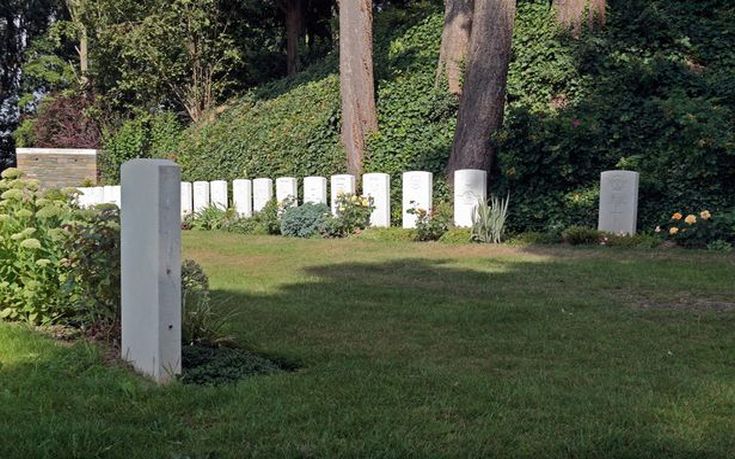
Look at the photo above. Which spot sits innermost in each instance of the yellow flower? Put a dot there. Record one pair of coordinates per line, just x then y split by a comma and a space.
676, 216
705, 215
691, 219
673, 230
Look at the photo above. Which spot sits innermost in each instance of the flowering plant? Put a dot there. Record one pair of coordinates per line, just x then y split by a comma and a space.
353, 215
691, 229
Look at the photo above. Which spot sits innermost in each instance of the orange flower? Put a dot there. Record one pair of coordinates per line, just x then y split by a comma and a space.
705, 215
691, 219
676, 216
673, 230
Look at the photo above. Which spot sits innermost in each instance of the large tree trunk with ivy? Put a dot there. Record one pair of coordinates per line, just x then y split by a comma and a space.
572, 14
359, 117
294, 12
483, 96
455, 43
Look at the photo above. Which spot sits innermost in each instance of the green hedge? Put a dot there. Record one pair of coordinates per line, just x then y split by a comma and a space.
653, 92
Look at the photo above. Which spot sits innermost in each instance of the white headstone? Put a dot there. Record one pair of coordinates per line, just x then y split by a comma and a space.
218, 194
262, 193
111, 194
90, 196
341, 184
287, 188
315, 190
151, 267
201, 196
187, 199
377, 186
470, 187
618, 202
417, 193
242, 197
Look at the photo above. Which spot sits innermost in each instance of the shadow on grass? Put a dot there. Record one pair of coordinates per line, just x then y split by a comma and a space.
414, 356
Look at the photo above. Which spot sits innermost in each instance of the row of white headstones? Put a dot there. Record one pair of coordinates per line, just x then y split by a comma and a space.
251, 196
151, 242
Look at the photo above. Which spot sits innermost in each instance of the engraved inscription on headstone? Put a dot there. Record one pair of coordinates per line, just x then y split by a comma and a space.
417, 194
618, 202
377, 186
470, 187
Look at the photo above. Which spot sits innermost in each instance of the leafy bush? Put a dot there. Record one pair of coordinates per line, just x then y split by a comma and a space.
31, 250
488, 221
457, 236
63, 122
430, 226
219, 365
210, 218
92, 248
268, 220
535, 237
581, 235
639, 241
353, 215
200, 323
699, 229
720, 246
304, 221
144, 136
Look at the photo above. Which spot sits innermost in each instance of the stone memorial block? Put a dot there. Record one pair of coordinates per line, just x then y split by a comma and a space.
417, 193
90, 196
315, 190
377, 186
111, 194
341, 184
262, 193
187, 199
618, 202
287, 188
150, 245
201, 196
242, 197
470, 187
218, 194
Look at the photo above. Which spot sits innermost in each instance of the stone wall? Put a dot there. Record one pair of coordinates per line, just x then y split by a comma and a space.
58, 167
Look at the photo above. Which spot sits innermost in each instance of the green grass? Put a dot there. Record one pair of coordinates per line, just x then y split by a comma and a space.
413, 350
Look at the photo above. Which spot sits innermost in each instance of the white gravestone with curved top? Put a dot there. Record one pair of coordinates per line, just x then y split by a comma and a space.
187, 199
417, 194
377, 186
262, 193
218, 194
287, 188
315, 190
242, 197
618, 202
470, 187
201, 196
341, 184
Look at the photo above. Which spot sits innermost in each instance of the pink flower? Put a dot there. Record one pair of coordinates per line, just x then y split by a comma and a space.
576, 123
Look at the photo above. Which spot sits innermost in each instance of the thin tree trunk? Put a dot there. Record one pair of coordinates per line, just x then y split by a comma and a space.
455, 42
83, 56
483, 97
294, 12
571, 14
359, 117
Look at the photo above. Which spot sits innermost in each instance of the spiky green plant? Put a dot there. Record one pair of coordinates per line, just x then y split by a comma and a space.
488, 221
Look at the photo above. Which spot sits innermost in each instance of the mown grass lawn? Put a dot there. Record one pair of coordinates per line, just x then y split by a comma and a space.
413, 350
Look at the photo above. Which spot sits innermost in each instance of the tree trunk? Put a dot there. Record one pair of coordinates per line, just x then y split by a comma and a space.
571, 14
294, 11
483, 97
83, 56
359, 117
455, 42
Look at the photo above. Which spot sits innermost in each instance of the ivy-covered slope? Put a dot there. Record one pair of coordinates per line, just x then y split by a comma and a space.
653, 92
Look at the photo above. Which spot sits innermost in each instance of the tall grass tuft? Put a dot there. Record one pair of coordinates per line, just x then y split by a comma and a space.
488, 221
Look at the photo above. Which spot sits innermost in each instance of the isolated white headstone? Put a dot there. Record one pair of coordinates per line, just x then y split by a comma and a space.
187, 199
315, 190
151, 267
242, 197
417, 193
218, 194
111, 194
377, 186
262, 193
618, 202
341, 184
470, 187
201, 196
287, 188
90, 196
